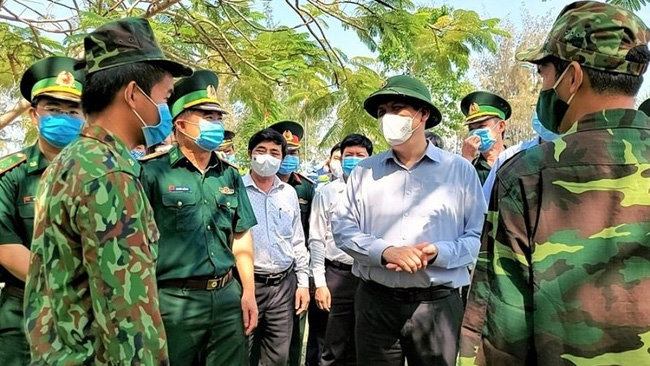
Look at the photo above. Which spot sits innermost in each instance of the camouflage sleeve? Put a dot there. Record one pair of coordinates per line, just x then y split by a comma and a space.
8, 232
117, 242
245, 215
497, 326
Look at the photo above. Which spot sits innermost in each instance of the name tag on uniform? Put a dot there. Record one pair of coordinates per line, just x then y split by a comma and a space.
29, 199
179, 189
226, 190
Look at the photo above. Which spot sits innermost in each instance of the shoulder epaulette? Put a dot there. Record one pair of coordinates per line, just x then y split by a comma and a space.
11, 161
224, 159
154, 155
305, 178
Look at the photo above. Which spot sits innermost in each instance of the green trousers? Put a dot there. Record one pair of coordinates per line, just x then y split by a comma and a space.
14, 350
297, 338
204, 327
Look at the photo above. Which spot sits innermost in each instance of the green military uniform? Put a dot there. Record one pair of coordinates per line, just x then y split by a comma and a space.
91, 295
478, 107
563, 269
53, 77
198, 214
306, 189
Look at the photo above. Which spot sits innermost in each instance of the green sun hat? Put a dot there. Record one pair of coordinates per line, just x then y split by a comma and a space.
54, 77
198, 91
479, 106
596, 35
292, 132
406, 87
126, 41
645, 107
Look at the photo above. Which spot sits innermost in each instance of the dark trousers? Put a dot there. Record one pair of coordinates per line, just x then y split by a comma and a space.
339, 347
388, 330
317, 320
204, 327
269, 343
14, 350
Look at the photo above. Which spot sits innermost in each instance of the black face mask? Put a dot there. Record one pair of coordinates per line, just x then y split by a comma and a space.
550, 108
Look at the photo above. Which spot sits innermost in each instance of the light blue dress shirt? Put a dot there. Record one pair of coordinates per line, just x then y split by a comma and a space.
439, 200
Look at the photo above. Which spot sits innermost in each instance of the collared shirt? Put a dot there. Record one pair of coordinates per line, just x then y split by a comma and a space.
278, 236
197, 214
482, 167
562, 276
18, 187
439, 201
503, 157
321, 242
90, 296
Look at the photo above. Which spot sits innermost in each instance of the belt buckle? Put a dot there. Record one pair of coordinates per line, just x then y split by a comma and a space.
213, 284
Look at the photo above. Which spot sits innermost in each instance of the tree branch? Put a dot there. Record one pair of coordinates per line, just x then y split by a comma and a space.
155, 8
13, 113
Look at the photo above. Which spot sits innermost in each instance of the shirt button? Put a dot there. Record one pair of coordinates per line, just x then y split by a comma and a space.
209, 227
205, 201
406, 214
228, 204
180, 203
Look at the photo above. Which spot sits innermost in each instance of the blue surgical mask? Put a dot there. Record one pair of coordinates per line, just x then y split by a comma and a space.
485, 134
59, 129
211, 134
289, 164
542, 131
349, 163
153, 135
232, 159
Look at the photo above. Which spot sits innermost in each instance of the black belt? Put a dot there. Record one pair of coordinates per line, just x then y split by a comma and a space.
338, 265
273, 279
413, 294
198, 284
15, 292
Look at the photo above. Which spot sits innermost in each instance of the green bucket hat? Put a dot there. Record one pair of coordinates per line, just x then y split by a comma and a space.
198, 91
406, 87
126, 41
54, 77
645, 107
292, 132
596, 35
479, 106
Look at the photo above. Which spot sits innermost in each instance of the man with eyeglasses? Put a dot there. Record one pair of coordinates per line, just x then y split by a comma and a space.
54, 89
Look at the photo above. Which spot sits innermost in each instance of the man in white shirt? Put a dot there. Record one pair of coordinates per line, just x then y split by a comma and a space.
331, 267
281, 258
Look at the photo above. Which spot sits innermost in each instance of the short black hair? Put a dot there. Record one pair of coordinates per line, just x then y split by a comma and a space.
356, 140
334, 149
605, 82
435, 139
267, 134
101, 87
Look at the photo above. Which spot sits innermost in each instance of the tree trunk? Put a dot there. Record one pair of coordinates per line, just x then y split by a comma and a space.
13, 113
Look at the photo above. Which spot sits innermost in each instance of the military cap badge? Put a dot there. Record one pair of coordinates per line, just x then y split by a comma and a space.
66, 79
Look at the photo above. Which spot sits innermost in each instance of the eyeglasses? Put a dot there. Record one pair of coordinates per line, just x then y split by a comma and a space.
75, 112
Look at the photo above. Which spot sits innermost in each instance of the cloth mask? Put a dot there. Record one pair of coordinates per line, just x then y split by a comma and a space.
289, 164
265, 165
59, 129
397, 129
349, 163
550, 108
211, 134
542, 131
335, 168
485, 134
153, 135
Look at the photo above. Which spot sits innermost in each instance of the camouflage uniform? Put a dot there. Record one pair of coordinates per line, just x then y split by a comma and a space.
91, 295
563, 273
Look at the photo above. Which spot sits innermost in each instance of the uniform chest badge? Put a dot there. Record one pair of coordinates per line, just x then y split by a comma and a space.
226, 190
179, 189
29, 199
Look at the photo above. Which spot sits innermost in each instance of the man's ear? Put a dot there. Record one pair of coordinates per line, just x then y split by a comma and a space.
577, 77
33, 116
425, 115
130, 97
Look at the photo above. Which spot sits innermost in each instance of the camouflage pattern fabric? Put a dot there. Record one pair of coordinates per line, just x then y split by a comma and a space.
564, 268
91, 295
594, 34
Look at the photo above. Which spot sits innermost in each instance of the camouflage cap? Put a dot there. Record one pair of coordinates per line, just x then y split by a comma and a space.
126, 41
645, 107
596, 35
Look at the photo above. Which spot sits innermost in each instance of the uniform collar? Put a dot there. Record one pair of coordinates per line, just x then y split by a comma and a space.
115, 144
176, 155
482, 162
611, 118
36, 160
431, 152
294, 179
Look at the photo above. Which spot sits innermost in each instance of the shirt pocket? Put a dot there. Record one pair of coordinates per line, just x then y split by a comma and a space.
184, 211
226, 211
283, 220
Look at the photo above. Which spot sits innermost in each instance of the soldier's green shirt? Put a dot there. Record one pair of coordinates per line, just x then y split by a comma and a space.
563, 274
482, 168
306, 190
18, 185
197, 214
91, 295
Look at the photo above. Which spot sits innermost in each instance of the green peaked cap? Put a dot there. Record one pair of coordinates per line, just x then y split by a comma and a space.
292, 132
645, 107
53, 77
198, 91
126, 41
479, 106
596, 35
404, 87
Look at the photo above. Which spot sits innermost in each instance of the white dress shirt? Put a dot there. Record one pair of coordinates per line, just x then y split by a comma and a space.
278, 236
321, 241
439, 201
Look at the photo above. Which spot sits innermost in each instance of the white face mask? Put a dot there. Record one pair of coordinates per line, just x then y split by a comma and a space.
397, 129
336, 168
265, 165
